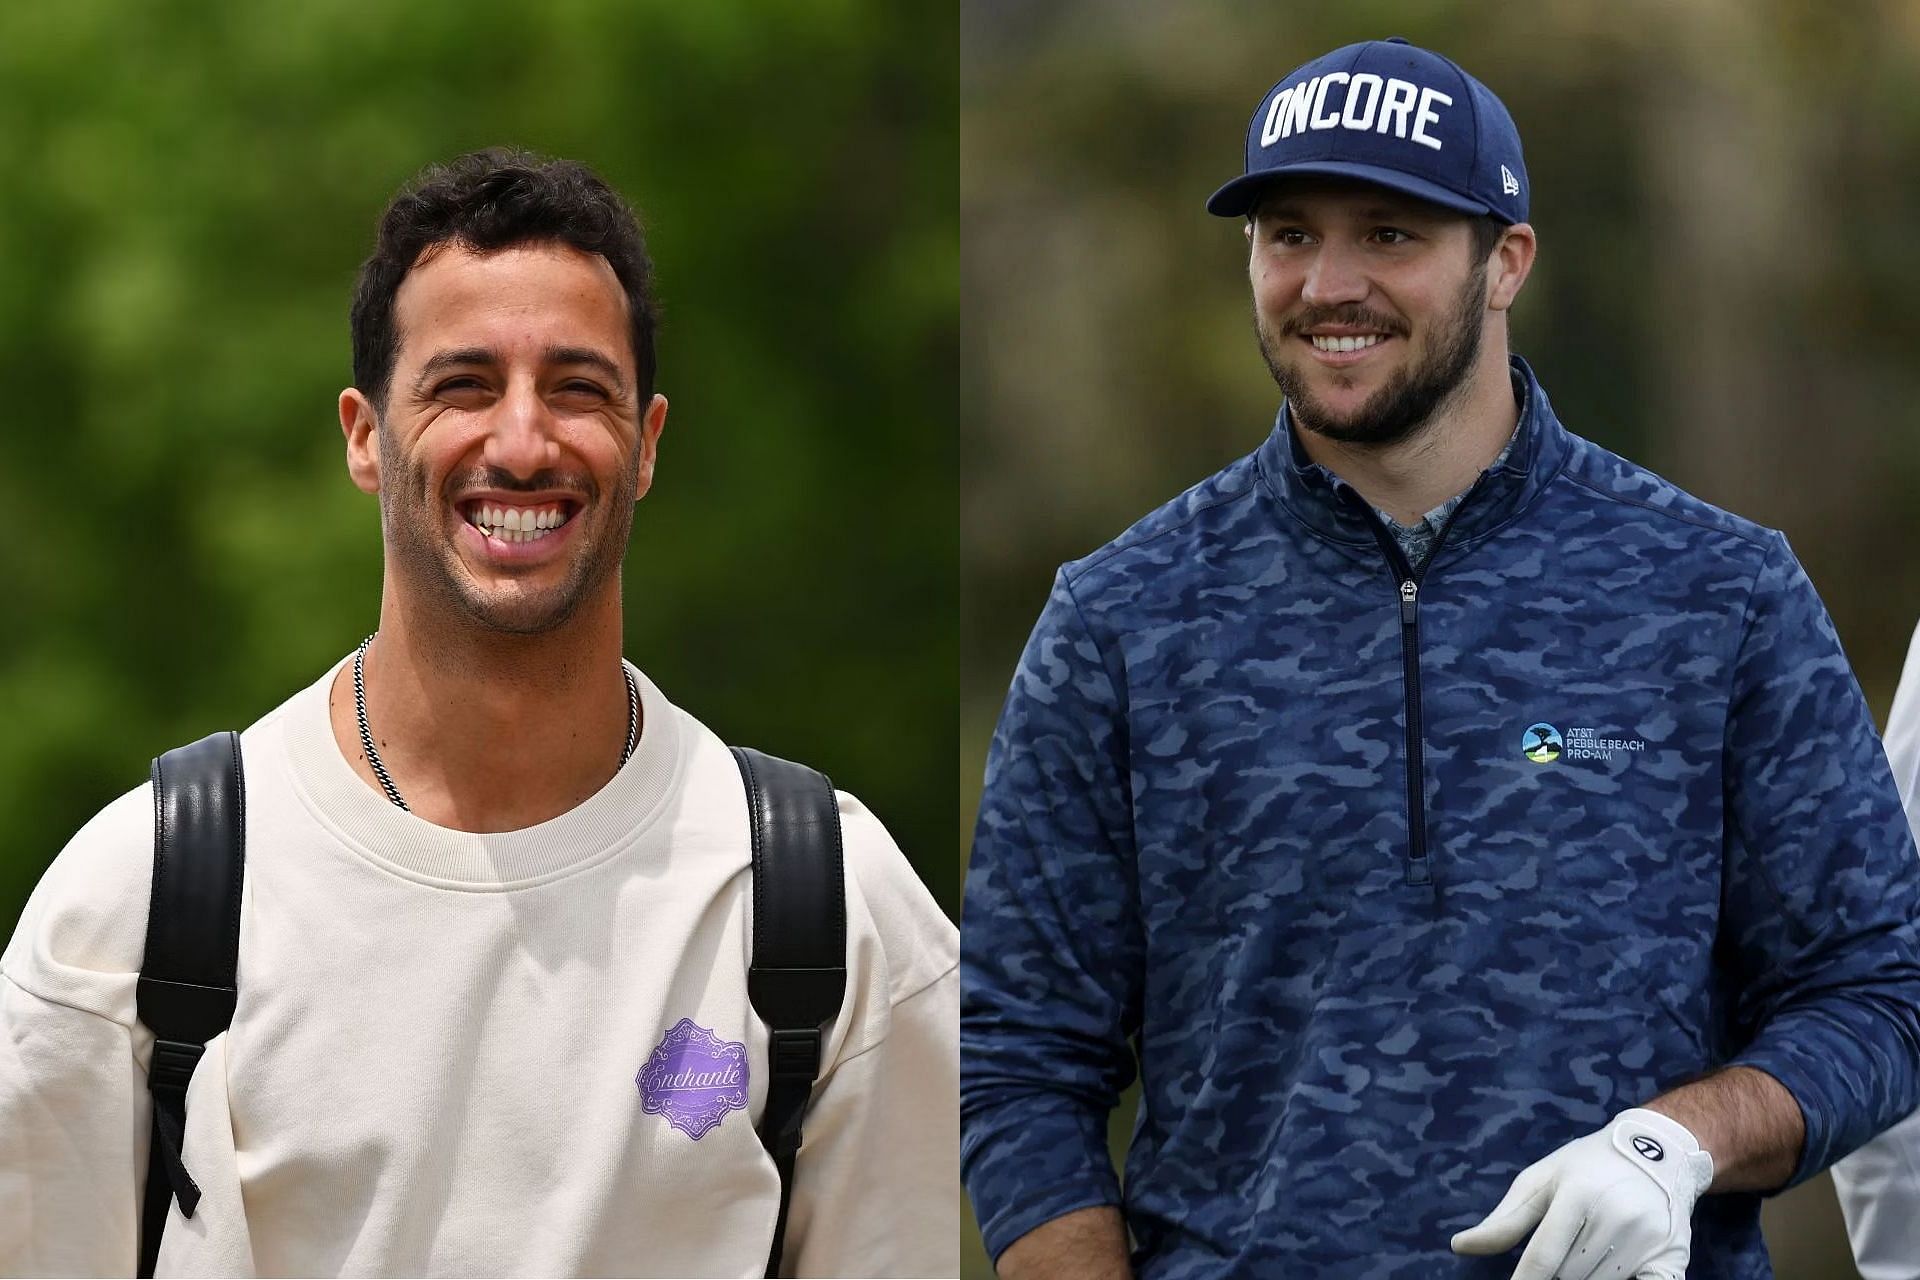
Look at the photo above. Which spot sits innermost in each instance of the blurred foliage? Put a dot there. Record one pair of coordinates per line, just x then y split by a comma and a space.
1726, 289
191, 189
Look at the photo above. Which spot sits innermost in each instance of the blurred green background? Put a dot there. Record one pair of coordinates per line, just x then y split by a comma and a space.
1728, 289
189, 190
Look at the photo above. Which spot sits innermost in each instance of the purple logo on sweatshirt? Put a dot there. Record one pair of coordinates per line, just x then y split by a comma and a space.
693, 1079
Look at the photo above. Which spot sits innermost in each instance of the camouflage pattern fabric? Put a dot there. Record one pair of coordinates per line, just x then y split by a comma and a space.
1659, 835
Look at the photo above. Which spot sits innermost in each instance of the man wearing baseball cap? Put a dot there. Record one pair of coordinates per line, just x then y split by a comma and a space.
1482, 845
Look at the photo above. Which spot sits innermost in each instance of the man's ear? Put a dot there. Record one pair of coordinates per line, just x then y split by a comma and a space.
652, 423
361, 425
1508, 268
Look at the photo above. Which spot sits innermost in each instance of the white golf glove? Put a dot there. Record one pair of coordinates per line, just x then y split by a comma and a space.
1612, 1205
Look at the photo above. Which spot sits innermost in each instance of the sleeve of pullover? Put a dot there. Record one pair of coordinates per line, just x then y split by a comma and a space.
1050, 938
1821, 885
1879, 1185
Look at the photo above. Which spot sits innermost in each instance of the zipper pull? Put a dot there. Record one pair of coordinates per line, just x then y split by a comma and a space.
1409, 599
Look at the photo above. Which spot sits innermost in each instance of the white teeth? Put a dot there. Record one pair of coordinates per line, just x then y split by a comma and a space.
515, 524
1344, 343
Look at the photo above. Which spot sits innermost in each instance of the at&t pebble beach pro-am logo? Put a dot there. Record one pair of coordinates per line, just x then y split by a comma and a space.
693, 1079
1544, 744
1541, 743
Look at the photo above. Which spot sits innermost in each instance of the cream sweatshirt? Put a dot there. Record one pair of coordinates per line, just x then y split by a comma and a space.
436, 1065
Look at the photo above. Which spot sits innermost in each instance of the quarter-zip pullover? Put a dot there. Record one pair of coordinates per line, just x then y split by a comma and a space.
1395, 881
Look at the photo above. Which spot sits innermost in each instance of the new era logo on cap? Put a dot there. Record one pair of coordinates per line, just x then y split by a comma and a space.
1390, 113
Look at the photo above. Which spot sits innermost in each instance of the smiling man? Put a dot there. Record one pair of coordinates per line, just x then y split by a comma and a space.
1481, 846
493, 1015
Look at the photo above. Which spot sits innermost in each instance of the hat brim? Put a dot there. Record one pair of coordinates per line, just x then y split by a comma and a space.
1238, 196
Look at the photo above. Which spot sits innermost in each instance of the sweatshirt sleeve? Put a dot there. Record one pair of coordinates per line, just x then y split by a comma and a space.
1821, 885
1051, 947
874, 1190
73, 1099
874, 1187
1879, 1185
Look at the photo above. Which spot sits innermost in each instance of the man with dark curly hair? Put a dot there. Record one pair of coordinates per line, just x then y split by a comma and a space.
493, 1013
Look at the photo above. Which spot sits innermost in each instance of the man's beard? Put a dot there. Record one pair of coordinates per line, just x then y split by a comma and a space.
420, 551
1410, 397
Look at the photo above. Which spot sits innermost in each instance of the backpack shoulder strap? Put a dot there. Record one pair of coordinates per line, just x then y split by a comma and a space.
799, 974
186, 992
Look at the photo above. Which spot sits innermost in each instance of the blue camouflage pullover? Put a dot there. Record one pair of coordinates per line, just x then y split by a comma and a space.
1397, 880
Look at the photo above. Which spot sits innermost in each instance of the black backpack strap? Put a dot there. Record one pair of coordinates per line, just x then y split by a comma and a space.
799, 971
186, 991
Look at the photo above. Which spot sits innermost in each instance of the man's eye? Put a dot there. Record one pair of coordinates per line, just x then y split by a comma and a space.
583, 390
458, 385
1290, 236
1391, 235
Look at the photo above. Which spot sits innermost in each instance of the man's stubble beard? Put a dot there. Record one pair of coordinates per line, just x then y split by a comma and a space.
1411, 397
411, 514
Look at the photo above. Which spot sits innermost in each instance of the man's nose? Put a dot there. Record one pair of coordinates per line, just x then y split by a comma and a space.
520, 433
1335, 275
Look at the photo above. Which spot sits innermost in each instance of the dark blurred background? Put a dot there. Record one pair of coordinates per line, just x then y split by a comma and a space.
188, 190
1727, 196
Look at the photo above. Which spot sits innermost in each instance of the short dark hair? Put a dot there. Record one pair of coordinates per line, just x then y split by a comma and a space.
1487, 231
486, 201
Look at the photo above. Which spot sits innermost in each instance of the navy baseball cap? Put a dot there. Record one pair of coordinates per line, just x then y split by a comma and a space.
1389, 113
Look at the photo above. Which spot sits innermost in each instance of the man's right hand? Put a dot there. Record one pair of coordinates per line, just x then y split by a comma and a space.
1087, 1244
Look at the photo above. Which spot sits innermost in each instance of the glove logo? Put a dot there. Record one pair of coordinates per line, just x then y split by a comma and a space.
1648, 1147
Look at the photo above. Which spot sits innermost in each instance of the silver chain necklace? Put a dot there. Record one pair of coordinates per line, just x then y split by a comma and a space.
373, 756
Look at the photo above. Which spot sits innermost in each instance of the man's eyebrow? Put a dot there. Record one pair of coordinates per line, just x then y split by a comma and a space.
470, 357
593, 359
460, 357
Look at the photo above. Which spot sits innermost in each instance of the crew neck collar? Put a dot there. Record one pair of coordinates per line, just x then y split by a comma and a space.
408, 845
